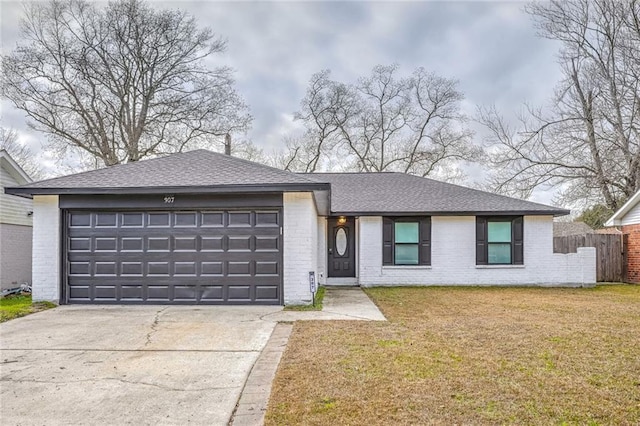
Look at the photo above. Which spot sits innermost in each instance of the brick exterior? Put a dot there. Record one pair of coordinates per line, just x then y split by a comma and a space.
46, 248
15, 261
453, 256
633, 252
300, 246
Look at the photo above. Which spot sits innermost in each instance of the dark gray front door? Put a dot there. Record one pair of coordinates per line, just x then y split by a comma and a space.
182, 257
342, 247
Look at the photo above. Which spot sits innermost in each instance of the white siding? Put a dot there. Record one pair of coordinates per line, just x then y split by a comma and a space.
453, 257
632, 217
300, 237
46, 248
13, 209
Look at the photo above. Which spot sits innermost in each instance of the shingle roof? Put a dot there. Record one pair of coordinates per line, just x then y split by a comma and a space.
360, 193
199, 168
351, 193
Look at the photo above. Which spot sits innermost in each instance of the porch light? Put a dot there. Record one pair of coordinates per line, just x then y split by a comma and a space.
342, 220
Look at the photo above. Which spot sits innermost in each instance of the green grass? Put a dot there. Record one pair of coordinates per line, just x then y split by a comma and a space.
316, 307
18, 306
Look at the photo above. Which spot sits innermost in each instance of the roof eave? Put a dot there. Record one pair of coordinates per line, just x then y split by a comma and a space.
613, 222
18, 172
558, 212
212, 189
616, 218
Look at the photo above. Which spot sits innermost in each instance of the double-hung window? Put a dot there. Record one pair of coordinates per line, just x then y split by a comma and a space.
406, 241
499, 240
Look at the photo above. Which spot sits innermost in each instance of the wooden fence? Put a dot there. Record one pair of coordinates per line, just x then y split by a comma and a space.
611, 253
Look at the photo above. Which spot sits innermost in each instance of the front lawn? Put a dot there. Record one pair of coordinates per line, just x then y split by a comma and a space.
18, 306
468, 356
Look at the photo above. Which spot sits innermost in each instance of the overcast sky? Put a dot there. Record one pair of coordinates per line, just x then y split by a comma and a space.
275, 47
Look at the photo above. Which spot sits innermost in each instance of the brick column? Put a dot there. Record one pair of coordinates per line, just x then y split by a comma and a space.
633, 252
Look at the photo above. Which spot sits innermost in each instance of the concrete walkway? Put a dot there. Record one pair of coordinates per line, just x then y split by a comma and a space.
340, 303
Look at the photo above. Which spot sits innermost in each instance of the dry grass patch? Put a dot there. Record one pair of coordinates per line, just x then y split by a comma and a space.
468, 356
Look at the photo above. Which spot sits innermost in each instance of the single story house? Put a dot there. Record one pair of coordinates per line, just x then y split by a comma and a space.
203, 227
628, 219
15, 226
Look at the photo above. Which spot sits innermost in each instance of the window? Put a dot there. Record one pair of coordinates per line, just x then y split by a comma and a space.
499, 240
406, 241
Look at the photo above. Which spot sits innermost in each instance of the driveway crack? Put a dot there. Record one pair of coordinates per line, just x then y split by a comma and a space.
131, 382
154, 325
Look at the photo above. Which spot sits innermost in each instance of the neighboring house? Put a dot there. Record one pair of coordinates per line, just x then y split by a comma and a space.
565, 229
203, 227
15, 226
628, 218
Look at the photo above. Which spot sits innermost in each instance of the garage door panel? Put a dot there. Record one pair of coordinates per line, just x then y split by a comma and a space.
174, 257
131, 292
105, 293
267, 268
213, 293
239, 292
267, 219
79, 293
266, 292
132, 220
80, 220
106, 220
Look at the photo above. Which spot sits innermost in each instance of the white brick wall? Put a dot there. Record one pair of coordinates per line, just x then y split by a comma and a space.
453, 257
300, 246
46, 248
322, 250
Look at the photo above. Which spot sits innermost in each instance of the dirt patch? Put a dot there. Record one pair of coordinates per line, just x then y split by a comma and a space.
471, 356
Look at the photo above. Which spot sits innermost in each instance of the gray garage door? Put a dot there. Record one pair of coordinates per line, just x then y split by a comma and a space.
182, 257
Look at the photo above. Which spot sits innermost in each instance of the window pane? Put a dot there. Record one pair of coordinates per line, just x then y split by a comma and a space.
499, 232
406, 232
406, 254
500, 253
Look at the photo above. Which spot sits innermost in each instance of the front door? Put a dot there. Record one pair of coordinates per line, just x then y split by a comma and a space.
342, 247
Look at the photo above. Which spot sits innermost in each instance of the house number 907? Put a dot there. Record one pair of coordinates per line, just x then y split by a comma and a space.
169, 199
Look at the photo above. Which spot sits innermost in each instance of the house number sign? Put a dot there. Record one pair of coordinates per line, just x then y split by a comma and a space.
312, 286
169, 199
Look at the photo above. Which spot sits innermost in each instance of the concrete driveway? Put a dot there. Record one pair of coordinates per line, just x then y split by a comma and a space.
129, 365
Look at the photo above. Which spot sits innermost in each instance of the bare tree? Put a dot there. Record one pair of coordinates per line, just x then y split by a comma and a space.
121, 82
383, 123
296, 156
21, 153
588, 140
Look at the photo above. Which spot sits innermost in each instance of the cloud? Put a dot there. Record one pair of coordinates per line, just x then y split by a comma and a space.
275, 47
